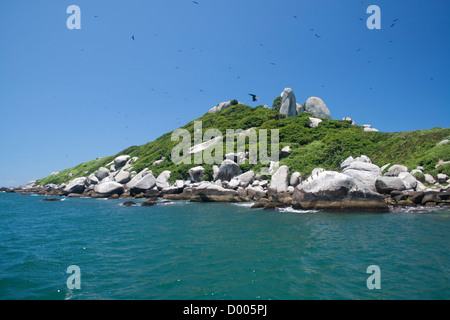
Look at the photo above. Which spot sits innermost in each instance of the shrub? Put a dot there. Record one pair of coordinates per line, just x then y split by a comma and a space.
419, 176
276, 105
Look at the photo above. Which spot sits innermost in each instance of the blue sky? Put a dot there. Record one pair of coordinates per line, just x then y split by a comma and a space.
69, 96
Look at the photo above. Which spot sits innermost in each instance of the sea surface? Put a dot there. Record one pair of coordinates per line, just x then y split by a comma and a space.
183, 250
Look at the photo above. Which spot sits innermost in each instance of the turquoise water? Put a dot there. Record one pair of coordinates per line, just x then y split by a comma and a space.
183, 250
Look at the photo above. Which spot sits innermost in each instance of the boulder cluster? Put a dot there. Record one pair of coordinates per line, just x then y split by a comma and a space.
361, 186
290, 108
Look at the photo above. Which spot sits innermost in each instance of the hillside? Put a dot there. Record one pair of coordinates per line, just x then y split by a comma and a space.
325, 146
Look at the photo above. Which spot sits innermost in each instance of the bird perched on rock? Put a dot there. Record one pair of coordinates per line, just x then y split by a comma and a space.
254, 97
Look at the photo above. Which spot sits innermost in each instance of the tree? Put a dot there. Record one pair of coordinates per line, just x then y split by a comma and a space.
276, 105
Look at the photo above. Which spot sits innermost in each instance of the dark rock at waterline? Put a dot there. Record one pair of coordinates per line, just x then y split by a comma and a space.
148, 203
274, 205
431, 197
444, 195
400, 197
129, 204
51, 199
416, 197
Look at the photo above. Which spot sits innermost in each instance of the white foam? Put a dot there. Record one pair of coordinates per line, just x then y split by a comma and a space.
244, 204
292, 210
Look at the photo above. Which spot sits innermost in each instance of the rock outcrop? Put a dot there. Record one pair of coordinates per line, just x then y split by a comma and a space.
223, 105
280, 180
196, 174
288, 103
107, 189
365, 172
334, 191
76, 186
317, 107
228, 170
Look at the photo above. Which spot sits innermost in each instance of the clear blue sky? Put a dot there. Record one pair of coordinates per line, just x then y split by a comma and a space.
69, 96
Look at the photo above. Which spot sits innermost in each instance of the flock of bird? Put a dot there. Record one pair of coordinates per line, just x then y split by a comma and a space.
315, 34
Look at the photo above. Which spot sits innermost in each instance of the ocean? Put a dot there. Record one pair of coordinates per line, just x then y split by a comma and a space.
206, 251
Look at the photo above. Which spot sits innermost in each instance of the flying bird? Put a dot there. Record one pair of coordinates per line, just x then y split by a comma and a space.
392, 25
132, 37
254, 97
316, 35
195, 2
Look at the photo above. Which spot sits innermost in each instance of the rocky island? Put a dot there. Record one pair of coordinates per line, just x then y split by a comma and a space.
325, 164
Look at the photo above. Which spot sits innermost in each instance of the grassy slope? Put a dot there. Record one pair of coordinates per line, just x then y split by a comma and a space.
325, 146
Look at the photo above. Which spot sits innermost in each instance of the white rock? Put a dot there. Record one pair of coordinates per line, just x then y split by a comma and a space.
202, 146
120, 161
443, 142
179, 184
314, 122
347, 162
317, 107
163, 180
138, 177
122, 176
77, 185
245, 179
92, 179
157, 162
147, 182
256, 192
280, 179
429, 179
365, 172
395, 170
108, 188
296, 178
408, 180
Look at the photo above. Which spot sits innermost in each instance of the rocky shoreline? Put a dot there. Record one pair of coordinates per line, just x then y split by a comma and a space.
361, 186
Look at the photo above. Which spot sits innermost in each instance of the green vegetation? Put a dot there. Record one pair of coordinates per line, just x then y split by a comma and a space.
276, 105
325, 146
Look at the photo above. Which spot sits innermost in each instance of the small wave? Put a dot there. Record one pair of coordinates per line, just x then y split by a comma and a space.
173, 202
292, 210
412, 209
244, 204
